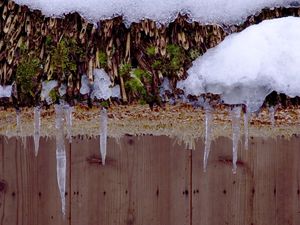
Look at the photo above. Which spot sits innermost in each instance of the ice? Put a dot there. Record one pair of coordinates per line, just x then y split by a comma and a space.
37, 129
272, 115
246, 128
103, 134
47, 86
68, 110
60, 156
18, 120
5, 91
208, 135
247, 66
62, 90
235, 116
222, 11
101, 87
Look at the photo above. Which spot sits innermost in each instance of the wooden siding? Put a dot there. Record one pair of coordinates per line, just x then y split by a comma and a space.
151, 180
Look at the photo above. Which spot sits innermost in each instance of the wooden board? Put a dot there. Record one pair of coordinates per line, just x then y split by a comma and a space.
145, 182
151, 180
31, 196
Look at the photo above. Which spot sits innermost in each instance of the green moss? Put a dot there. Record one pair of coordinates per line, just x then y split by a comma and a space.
62, 57
142, 74
48, 40
150, 51
54, 95
104, 104
135, 86
157, 64
124, 69
26, 74
102, 59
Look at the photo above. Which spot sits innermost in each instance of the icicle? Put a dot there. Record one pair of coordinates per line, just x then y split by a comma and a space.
19, 129
235, 116
103, 134
246, 128
272, 115
37, 129
208, 132
60, 156
68, 117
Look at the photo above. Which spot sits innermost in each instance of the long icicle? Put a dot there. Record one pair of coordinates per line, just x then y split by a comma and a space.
37, 129
246, 128
60, 156
235, 116
68, 110
103, 134
208, 131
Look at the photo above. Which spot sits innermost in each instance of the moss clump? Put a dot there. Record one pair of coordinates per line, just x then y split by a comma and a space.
170, 64
54, 95
150, 51
124, 69
102, 59
26, 75
63, 57
105, 104
142, 74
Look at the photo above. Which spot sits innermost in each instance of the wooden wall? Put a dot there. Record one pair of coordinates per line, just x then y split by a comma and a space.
151, 181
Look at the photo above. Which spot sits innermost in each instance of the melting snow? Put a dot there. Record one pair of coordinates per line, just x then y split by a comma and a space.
47, 86
222, 11
5, 91
247, 66
101, 87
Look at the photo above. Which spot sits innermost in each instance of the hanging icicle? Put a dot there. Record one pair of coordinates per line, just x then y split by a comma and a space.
103, 134
272, 115
68, 110
246, 128
18, 119
60, 156
37, 129
235, 116
208, 135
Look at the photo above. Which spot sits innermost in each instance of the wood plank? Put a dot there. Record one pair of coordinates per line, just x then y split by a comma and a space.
31, 195
219, 197
145, 181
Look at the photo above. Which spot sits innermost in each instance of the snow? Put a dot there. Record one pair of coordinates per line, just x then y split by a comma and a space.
247, 66
101, 87
47, 86
5, 91
222, 11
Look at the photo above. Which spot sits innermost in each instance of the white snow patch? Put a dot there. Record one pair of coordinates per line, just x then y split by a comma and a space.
222, 11
5, 91
247, 66
101, 88
47, 86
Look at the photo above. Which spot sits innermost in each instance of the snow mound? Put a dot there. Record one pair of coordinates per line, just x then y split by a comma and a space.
247, 66
222, 11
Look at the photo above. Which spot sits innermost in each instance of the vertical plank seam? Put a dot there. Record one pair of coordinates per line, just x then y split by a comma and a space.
191, 186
